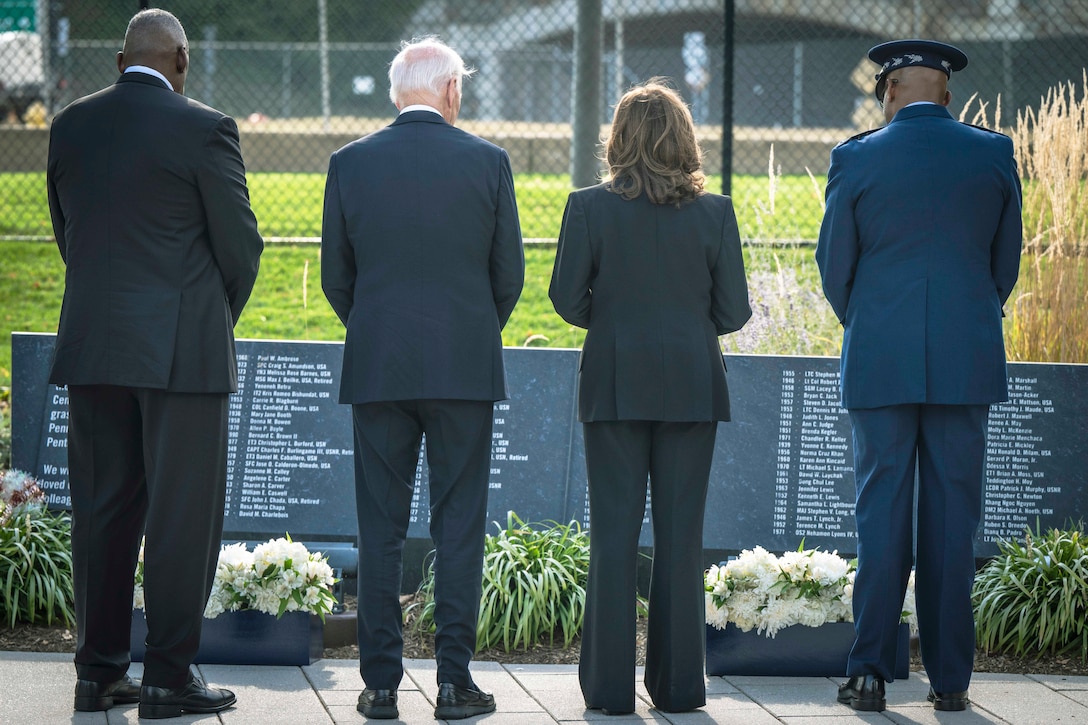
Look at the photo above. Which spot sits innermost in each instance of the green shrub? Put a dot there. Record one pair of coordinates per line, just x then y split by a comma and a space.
1033, 598
35, 556
534, 585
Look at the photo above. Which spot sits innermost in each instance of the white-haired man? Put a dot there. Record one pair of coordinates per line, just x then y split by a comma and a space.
422, 261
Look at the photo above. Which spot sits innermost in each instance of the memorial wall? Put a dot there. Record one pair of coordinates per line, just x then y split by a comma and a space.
782, 471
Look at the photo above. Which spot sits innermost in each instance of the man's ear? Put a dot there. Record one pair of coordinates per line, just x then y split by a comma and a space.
120, 61
182, 60
947, 98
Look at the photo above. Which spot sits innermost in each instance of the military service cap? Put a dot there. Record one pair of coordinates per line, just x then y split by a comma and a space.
903, 53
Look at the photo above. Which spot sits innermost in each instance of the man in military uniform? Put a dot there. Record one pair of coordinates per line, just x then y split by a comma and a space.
918, 252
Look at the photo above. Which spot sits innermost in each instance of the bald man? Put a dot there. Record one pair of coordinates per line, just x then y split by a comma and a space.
150, 209
918, 251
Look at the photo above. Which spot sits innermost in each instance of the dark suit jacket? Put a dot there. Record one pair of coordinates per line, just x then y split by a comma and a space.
654, 285
919, 249
150, 209
421, 259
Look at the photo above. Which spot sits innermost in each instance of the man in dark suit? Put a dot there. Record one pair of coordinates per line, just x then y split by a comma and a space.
422, 261
148, 198
919, 249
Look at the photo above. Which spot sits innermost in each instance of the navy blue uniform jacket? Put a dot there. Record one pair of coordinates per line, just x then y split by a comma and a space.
918, 251
421, 259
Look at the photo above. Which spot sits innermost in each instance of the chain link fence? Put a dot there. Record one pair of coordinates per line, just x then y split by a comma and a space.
771, 84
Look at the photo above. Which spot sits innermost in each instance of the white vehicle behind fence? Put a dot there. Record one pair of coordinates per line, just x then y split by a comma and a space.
21, 73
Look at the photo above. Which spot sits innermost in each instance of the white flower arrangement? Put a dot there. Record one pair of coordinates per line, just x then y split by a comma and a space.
278, 576
758, 590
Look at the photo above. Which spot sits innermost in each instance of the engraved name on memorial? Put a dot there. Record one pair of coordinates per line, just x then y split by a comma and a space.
782, 471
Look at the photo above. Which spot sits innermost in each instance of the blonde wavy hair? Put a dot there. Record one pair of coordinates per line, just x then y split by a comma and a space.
652, 148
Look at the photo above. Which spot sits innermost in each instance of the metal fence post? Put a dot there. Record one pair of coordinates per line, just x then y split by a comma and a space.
586, 94
728, 54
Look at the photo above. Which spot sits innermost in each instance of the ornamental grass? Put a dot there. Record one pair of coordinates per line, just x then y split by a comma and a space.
534, 585
1047, 314
35, 556
1033, 597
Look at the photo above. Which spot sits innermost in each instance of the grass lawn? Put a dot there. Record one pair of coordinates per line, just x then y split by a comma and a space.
289, 205
790, 316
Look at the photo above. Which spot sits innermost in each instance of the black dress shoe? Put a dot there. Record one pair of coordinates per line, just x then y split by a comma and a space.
193, 696
607, 711
863, 692
378, 704
949, 701
456, 702
94, 696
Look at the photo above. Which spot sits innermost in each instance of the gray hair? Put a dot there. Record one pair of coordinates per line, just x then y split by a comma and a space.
425, 65
152, 33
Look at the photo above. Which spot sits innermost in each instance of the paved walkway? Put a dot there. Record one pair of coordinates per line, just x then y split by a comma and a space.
37, 689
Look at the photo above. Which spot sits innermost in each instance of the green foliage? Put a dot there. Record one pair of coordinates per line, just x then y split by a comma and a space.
1033, 597
289, 205
35, 556
534, 585
287, 302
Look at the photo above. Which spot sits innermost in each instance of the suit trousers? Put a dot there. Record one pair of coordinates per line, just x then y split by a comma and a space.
946, 444
387, 444
619, 457
144, 462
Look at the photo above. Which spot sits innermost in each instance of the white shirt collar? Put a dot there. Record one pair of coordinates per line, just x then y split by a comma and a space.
921, 103
150, 72
420, 107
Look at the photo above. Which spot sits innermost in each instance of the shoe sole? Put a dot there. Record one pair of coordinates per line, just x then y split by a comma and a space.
100, 704
159, 712
948, 705
382, 712
867, 705
459, 712
93, 704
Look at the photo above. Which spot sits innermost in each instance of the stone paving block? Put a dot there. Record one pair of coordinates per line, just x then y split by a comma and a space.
928, 716
335, 675
510, 696
719, 685
339, 698
548, 682
1021, 700
267, 690
854, 718
732, 708
1062, 682
564, 705
343, 714
411, 704
814, 697
542, 669
1079, 696
39, 688
129, 715
291, 716
507, 718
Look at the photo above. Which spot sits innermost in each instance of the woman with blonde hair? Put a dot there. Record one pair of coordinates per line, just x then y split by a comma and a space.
650, 264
